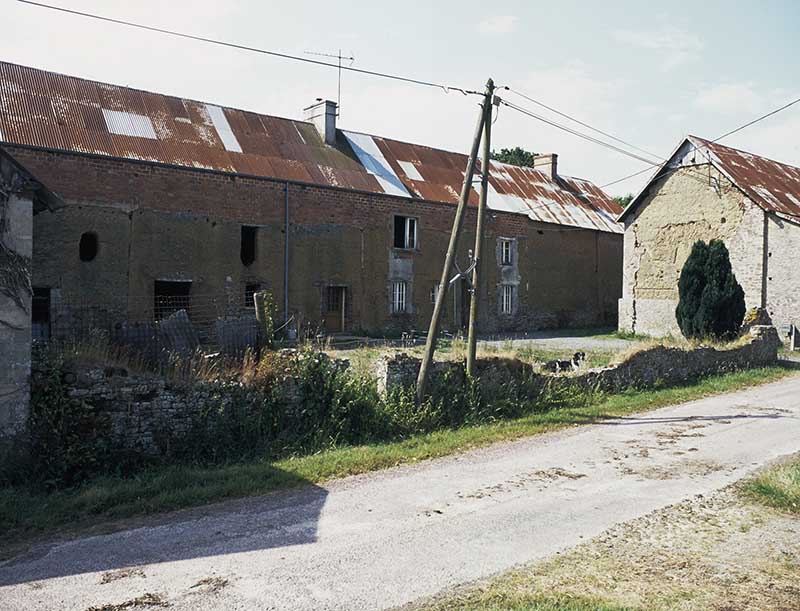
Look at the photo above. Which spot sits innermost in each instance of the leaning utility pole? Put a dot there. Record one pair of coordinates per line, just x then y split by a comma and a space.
433, 331
476, 261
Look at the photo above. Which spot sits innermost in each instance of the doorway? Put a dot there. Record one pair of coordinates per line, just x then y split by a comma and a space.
335, 308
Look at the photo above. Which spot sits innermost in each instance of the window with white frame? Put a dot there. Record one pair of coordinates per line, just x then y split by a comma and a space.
507, 299
405, 232
434, 293
506, 252
399, 297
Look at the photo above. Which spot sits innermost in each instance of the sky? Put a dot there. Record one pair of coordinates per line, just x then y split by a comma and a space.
647, 73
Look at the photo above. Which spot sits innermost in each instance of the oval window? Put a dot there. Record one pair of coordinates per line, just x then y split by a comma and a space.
87, 249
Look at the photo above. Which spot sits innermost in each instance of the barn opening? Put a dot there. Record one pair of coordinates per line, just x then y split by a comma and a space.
169, 296
248, 244
87, 247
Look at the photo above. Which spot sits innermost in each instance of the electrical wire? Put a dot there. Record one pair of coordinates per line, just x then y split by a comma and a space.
715, 140
579, 122
141, 26
578, 133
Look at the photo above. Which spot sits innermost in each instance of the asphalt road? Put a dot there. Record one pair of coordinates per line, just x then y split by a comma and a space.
384, 539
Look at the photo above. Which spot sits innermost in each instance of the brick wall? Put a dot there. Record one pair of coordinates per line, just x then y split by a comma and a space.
162, 222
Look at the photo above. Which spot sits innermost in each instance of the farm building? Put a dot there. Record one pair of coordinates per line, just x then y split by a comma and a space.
706, 191
177, 204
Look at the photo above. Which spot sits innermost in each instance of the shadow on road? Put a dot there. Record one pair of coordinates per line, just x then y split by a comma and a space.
279, 519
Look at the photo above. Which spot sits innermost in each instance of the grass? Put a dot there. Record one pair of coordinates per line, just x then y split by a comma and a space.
778, 487
490, 602
29, 513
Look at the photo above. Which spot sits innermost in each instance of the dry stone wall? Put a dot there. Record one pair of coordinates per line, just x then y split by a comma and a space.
652, 368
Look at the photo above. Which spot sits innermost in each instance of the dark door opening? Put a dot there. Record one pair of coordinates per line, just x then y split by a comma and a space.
40, 313
170, 296
335, 307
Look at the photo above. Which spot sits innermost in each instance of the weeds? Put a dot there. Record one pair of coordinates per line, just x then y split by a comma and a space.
777, 487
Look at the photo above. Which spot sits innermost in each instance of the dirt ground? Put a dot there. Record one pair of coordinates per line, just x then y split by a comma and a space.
720, 552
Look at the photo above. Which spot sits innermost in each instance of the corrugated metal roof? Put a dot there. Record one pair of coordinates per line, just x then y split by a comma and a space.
54, 111
772, 185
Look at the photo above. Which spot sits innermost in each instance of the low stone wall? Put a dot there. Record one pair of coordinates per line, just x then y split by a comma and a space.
654, 367
145, 412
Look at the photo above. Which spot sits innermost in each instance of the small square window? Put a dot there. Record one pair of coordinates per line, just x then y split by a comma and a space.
399, 295
405, 232
507, 299
506, 252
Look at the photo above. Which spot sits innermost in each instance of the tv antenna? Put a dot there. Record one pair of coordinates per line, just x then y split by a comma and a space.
339, 57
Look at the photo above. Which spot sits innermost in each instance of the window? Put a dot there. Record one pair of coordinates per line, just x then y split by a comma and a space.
248, 248
87, 248
434, 293
170, 296
506, 257
399, 290
405, 232
249, 291
507, 299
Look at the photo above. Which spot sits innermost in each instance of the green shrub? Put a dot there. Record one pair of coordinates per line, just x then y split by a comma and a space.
711, 301
70, 440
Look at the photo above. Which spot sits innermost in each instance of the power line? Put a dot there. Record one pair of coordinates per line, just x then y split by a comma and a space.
141, 26
725, 135
577, 133
579, 122
761, 118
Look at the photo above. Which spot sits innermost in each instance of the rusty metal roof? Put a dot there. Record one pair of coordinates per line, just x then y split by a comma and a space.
54, 111
772, 185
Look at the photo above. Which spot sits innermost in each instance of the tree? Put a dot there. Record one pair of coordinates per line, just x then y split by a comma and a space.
710, 300
516, 156
624, 200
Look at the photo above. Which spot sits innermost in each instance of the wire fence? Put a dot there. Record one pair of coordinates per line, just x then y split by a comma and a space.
154, 327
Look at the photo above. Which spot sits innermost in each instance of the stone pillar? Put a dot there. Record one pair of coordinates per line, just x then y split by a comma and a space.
16, 246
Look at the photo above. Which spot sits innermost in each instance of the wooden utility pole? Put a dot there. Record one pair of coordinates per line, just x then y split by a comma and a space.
475, 295
433, 330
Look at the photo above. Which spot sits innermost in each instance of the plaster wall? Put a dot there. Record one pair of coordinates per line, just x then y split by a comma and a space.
691, 204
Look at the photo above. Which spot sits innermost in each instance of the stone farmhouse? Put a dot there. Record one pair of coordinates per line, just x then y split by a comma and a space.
174, 203
706, 191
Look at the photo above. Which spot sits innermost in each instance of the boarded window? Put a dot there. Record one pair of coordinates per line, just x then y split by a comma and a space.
171, 296
87, 247
405, 232
248, 246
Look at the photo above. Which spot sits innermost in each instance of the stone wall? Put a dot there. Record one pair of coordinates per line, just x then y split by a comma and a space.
146, 412
783, 272
690, 204
15, 314
651, 368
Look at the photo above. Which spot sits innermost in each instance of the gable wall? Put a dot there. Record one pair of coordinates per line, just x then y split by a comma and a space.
783, 270
691, 204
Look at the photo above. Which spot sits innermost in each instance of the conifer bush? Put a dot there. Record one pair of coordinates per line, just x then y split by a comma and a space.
710, 300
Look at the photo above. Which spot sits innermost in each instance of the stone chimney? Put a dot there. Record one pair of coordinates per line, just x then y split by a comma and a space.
547, 163
323, 116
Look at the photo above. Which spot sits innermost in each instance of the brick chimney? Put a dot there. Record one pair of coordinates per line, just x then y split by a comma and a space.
323, 116
547, 163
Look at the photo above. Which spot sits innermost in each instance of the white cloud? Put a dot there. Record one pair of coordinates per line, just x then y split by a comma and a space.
499, 24
674, 46
730, 98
